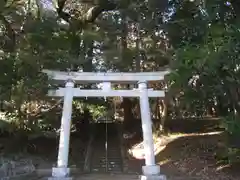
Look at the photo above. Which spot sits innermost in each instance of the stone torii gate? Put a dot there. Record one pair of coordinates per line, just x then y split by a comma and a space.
151, 171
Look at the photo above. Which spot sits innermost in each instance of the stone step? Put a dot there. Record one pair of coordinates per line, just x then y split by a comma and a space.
109, 158
104, 166
103, 169
109, 161
109, 165
104, 159
108, 168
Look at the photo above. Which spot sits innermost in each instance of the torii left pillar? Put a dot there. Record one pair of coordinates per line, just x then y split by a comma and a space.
62, 172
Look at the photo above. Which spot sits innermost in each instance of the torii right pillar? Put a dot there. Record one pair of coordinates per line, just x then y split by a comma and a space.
151, 171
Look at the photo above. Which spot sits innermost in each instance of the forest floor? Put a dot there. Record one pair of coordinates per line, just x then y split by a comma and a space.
181, 156
189, 157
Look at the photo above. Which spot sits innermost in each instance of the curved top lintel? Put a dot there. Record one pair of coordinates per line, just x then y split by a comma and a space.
92, 77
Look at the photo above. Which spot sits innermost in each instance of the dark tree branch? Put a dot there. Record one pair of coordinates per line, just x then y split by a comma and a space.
65, 16
2, 4
236, 7
10, 34
95, 11
92, 13
61, 4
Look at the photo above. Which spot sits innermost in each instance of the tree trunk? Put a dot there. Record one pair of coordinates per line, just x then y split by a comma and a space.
157, 112
127, 103
138, 57
88, 64
163, 114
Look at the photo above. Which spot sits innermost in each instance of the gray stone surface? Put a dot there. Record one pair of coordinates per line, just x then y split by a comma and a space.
16, 169
151, 170
60, 178
155, 177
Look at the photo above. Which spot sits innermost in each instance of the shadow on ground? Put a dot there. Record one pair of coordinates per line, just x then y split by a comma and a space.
191, 156
43, 150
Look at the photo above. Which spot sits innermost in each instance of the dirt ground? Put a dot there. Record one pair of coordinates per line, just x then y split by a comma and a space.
181, 157
42, 151
188, 156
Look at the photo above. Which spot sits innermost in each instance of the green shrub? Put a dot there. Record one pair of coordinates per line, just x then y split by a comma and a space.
231, 123
231, 150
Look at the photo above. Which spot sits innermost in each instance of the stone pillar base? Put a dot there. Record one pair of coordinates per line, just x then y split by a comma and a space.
60, 173
154, 177
152, 173
60, 178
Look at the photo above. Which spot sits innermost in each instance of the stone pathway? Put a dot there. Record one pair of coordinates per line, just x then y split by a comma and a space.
122, 177
107, 177
119, 177
101, 177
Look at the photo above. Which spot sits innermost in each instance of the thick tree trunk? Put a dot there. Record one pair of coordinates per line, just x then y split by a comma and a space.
164, 111
127, 103
88, 64
157, 112
138, 57
90, 16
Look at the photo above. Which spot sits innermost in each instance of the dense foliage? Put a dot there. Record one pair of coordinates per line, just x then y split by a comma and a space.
199, 40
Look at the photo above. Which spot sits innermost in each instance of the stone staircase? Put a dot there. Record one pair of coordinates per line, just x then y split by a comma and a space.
106, 154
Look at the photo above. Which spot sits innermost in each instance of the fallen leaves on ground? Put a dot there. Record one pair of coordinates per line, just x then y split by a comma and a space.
190, 156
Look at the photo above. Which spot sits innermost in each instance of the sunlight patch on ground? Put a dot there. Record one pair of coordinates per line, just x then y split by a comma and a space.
166, 161
222, 167
177, 135
137, 151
